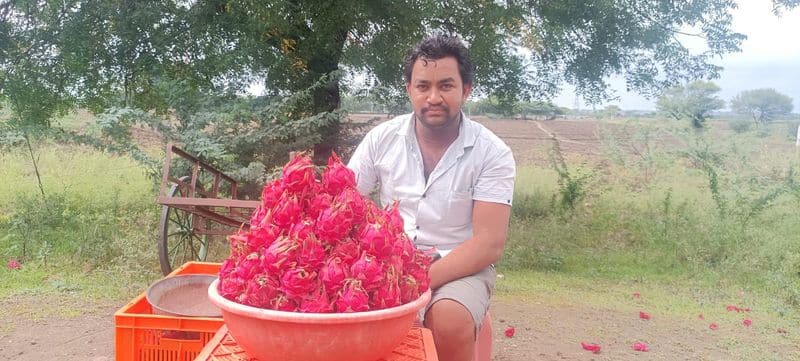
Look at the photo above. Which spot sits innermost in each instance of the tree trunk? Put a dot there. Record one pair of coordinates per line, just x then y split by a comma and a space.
35, 165
328, 98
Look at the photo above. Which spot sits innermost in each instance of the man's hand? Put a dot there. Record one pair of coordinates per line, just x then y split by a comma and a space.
489, 232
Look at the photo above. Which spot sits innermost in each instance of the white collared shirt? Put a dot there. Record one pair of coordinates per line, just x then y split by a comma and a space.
478, 165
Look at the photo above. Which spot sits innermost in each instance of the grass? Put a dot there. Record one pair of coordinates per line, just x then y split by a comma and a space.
91, 178
672, 226
91, 237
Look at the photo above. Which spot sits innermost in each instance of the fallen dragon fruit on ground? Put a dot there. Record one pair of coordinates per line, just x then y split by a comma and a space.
316, 245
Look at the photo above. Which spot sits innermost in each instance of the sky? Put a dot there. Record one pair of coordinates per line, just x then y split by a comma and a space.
770, 58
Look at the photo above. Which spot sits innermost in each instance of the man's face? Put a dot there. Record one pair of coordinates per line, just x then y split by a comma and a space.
437, 92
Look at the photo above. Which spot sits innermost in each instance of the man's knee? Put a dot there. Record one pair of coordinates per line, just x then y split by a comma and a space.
450, 319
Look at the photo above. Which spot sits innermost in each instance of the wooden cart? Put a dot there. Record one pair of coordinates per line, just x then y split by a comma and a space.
199, 208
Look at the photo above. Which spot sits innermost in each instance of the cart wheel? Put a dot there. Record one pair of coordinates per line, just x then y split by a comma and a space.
177, 242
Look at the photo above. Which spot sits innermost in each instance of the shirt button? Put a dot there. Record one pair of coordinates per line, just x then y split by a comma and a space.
417, 226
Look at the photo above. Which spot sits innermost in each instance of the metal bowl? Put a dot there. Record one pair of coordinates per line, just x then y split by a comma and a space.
183, 296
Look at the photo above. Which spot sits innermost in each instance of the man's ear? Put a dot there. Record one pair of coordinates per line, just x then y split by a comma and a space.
466, 90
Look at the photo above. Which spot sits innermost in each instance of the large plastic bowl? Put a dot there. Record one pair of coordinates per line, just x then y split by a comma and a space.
293, 336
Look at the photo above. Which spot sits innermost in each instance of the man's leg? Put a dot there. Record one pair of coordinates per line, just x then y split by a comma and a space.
453, 330
455, 313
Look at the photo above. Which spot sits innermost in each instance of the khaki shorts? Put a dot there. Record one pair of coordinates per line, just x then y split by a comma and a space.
473, 292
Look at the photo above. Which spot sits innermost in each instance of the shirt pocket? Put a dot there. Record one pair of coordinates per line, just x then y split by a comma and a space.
459, 208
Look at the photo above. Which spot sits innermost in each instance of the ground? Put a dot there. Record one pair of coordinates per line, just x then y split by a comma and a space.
544, 330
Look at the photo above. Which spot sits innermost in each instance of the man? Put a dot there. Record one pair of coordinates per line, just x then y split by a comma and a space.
454, 180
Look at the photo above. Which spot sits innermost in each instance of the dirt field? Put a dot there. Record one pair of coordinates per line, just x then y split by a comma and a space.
543, 331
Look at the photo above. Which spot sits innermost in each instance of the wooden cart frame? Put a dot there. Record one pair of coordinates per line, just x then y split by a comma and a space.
194, 215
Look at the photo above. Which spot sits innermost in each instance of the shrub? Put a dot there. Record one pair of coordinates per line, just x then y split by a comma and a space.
529, 206
740, 125
791, 129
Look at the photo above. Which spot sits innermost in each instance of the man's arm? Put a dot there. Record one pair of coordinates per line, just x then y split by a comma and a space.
490, 229
491, 211
363, 165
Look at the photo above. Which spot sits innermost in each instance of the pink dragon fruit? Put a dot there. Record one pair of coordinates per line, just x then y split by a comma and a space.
405, 248
288, 211
409, 289
13, 265
348, 250
302, 229
248, 267
238, 245
280, 254
298, 174
258, 215
227, 267
368, 270
394, 221
232, 287
317, 204
337, 176
386, 296
283, 303
317, 302
261, 238
319, 246
351, 201
334, 224
297, 282
260, 291
419, 274
271, 194
376, 239
352, 298
310, 253
333, 273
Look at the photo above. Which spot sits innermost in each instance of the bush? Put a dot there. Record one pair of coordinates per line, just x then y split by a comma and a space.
530, 206
62, 229
740, 125
531, 250
764, 132
791, 129
33, 223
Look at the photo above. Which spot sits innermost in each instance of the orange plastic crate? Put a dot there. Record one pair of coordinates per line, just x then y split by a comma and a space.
417, 346
139, 335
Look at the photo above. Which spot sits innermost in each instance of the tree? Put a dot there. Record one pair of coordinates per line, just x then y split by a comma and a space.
174, 58
694, 102
779, 5
540, 108
611, 111
762, 104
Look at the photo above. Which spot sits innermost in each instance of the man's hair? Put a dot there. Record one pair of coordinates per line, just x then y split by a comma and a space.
439, 46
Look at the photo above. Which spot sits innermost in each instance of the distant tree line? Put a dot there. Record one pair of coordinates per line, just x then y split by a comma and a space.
489, 106
697, 100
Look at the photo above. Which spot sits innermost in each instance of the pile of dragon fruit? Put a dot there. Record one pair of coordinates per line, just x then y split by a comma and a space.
315, 245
